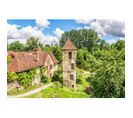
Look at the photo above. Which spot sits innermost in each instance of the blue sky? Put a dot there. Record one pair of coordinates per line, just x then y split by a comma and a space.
50, 31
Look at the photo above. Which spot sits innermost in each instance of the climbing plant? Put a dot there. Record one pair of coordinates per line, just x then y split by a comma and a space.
11, 76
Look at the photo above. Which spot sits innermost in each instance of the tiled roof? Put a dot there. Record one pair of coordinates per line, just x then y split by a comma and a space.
69, 46
22, 61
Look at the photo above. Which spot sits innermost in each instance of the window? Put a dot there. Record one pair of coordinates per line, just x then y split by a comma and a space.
71, 77
70, 55
51, 66
72, 65
72, 86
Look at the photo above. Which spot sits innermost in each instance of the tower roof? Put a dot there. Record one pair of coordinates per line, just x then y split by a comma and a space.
69, 46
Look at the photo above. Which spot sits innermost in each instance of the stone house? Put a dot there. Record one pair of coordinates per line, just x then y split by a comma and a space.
23, 61
69, 65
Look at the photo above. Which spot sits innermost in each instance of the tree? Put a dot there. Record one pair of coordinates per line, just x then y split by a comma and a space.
81, 38
56, 50
85, 59
109, 80
119, 45
16, 46
32, 43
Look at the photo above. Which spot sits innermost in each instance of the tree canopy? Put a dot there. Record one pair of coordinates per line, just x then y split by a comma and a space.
81, 38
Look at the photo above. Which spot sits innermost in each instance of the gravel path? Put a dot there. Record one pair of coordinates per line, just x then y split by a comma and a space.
32, 92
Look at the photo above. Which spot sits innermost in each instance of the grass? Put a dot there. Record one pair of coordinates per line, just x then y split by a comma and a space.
16, 91
56, 91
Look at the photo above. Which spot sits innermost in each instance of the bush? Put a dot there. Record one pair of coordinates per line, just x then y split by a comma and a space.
57, 77
79, 79
45, 79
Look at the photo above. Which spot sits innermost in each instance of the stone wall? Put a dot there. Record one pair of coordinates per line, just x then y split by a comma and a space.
68, 71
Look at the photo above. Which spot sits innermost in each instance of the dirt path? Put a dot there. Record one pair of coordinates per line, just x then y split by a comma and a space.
31, 92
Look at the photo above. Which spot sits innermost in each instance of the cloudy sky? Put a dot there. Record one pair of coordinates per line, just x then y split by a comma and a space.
50, 31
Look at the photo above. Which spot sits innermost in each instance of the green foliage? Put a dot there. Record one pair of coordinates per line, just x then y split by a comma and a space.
31, 72
57, 76
32, 43
45, 79
119, 45
42, 71
11, 76
9, 59
56, 50
24, 79
86, 60
56, 91
109, 80
81, 38
16, 46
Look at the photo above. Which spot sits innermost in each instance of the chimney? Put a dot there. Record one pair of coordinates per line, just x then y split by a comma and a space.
36, 52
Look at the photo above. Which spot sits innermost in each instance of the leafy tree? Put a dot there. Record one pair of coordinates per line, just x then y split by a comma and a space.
119, 45
32, 43
109, 80
81, 38
85, 59
16, 46
56, 50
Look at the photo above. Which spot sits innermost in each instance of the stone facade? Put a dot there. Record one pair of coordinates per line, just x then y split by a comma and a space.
51, 67
69, 66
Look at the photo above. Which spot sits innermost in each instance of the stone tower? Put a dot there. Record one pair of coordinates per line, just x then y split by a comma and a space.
69, 65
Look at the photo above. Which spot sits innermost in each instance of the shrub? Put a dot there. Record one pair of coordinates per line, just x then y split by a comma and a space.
79, 79
45, 79
57, 77
24, 79
11, 76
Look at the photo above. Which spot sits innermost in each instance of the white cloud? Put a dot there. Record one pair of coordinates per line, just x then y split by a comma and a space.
112, 27
24, 33
58, 32
42, 23
84, 21
105, 27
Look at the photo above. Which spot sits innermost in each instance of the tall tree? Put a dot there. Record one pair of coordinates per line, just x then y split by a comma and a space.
16, 46
109, 80
32, 43
81, 38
